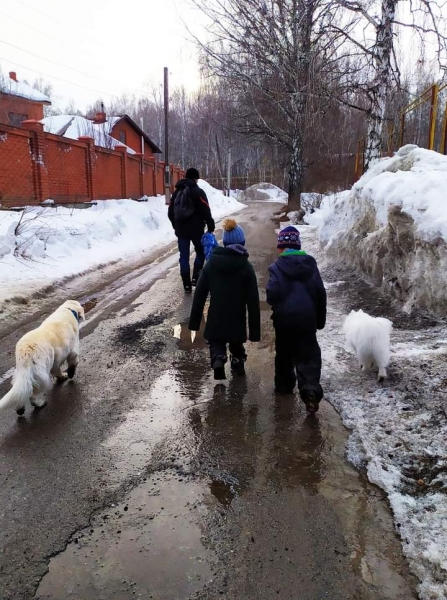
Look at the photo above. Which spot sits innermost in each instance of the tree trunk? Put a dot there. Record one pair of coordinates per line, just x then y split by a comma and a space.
383, 49
296, 173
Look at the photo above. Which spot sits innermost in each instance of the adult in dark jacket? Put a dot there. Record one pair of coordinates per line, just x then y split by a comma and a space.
297, 296
230, 279
189, 225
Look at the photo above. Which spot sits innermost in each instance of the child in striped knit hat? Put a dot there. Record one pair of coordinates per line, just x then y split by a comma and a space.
297, 296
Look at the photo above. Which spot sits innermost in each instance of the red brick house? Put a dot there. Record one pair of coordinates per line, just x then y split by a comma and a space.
124, 129
19, 101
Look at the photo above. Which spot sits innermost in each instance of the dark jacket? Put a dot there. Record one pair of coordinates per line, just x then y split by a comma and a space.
230, 279
296, 293
193, 227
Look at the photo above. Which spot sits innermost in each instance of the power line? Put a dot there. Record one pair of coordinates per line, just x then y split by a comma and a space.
60, 79
64, 66
45, 33
42, 13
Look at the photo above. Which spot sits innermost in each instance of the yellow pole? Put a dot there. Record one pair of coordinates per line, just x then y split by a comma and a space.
443, 146
433, 111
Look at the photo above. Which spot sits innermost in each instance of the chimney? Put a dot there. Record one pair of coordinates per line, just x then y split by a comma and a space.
13, 75
100, 117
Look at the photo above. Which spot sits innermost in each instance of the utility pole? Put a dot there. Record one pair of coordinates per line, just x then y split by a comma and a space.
167, 170
229, 171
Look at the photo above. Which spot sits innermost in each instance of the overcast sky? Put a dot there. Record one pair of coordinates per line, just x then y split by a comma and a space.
101, 47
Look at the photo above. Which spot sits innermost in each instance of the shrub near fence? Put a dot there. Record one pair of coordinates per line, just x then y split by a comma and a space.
35, 166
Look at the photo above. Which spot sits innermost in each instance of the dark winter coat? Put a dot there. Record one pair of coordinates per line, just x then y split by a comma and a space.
193, 227
296, 294
230, 279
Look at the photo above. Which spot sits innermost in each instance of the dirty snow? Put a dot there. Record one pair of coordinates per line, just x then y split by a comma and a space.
53, 243
392, 225
264, 192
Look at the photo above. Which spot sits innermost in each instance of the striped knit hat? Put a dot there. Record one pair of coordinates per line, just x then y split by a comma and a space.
233, 233
289, 237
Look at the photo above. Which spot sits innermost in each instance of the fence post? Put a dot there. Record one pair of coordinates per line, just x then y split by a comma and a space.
443, 147
123, 151
90, 165
433, 111
140, 155
38, 157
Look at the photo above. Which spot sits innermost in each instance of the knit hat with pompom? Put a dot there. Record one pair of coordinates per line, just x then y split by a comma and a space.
233, 233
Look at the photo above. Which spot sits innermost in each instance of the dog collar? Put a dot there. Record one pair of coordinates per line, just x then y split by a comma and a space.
75, 314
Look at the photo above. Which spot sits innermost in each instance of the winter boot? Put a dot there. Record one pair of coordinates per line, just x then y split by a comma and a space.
311, 402
219, 367
237, 366
195, 276
186, 278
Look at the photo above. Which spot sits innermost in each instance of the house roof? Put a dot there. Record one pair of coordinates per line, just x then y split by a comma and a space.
74, 126
115, 120
21, 89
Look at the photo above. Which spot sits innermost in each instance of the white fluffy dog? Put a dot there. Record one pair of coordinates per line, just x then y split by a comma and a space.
40, 354
369, 338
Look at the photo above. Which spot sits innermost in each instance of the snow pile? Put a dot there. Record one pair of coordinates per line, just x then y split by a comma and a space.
264, 192
393, 226
42, 245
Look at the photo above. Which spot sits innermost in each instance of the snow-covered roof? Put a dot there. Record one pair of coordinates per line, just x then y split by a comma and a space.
21, 89
74, 126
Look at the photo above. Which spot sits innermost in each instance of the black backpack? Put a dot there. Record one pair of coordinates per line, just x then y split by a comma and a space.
183, 205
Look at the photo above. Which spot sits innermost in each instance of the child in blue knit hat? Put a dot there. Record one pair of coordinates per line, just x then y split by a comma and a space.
297, 296
229, 278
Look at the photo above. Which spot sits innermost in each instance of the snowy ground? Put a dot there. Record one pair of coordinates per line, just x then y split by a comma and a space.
399, 429
52, 244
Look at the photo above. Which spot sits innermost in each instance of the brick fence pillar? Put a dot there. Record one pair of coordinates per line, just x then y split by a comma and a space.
153, 176
38, 157
123, 151
90, 165
141, 157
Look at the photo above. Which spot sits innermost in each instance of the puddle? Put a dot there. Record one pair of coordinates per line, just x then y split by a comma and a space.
149, 546
89, 304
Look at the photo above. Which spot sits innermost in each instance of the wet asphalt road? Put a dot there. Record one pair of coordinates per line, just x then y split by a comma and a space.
144, 479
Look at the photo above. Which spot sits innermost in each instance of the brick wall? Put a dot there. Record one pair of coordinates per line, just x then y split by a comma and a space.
66, 164
35, 166
16, 167
28, 109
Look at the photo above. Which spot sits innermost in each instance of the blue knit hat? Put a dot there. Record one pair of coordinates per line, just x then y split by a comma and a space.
233, 233
289, 237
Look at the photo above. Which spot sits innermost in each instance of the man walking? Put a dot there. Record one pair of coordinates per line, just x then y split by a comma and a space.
189, 212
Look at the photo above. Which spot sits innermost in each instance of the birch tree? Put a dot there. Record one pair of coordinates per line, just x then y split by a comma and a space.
372, 26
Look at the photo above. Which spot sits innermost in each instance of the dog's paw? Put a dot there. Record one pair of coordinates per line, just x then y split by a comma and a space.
38, 402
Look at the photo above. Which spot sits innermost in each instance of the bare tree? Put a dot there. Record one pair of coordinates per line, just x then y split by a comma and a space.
274, 55
371, 26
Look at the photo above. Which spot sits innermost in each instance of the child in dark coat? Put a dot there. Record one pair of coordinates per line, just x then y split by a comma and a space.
230, 280
296, 293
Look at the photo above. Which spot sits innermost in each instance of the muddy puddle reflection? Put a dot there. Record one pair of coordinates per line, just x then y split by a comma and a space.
149, 546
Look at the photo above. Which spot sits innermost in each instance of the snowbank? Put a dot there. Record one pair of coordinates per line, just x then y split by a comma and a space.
264, 192
42, 245
393, 226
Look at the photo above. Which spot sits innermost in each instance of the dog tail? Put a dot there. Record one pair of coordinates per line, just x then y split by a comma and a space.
21, 390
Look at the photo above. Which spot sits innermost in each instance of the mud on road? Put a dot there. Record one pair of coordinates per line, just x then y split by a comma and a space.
144, 479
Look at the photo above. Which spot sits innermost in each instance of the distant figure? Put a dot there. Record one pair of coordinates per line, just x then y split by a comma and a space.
230, 280
189, 212
296, 293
